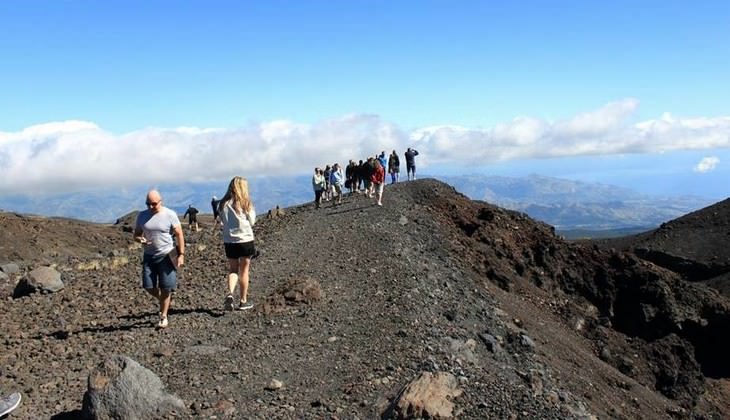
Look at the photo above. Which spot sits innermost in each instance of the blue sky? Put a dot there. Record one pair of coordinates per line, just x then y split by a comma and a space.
593, 90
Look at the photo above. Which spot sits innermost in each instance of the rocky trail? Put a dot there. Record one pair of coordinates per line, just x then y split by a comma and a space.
483, 309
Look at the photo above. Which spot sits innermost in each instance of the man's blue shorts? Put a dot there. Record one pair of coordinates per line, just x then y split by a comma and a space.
158, 272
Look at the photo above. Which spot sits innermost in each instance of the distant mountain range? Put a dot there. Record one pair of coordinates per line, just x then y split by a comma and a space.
575, 205
565, 204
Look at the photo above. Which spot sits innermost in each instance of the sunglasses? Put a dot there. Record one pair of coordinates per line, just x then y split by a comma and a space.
152, 204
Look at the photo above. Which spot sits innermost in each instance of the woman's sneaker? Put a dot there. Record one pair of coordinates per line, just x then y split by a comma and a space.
228, 303
242, 306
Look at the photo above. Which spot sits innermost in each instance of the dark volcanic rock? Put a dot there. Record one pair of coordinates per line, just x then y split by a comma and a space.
694, 245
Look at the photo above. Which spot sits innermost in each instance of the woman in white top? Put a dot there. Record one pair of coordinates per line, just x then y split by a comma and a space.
238, 216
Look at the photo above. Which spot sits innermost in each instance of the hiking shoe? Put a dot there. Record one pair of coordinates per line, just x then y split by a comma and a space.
163, 323
228, 304
242, 306
9, 403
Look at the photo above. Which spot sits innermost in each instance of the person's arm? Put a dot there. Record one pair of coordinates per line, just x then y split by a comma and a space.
251, 215
180, 239
138, 232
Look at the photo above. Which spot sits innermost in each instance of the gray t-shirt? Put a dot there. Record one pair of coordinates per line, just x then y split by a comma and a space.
157, 229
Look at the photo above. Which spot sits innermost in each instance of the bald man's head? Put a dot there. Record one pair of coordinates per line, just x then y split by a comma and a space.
154, 201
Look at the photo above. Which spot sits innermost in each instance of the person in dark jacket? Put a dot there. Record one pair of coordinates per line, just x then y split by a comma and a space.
411, 162
214, 204
394, 167
192, 214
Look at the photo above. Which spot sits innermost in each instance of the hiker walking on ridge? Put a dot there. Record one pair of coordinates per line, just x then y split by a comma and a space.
383, 160
161, 257
337, 181
378, 180
214, 204
318, 185
192, 214
411, 162
394, 167
238, 216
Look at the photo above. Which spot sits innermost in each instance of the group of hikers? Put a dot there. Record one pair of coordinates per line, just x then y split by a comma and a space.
366, 177
159, 231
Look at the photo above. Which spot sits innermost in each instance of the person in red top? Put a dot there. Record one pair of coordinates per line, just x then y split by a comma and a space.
378, 180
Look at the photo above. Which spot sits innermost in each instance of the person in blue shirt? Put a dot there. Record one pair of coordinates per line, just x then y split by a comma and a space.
337, 181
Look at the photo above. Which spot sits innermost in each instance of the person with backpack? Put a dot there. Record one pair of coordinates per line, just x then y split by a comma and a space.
369, 170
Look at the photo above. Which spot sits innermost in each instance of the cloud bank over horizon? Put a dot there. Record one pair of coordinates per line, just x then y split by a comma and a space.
76, 155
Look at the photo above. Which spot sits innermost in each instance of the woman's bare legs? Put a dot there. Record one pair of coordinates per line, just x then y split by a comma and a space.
232, 274
244, 264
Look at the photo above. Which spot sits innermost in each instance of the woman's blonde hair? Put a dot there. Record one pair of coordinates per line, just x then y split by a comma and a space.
238, 194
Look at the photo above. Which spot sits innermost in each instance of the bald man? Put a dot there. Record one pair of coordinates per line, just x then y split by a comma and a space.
162, 256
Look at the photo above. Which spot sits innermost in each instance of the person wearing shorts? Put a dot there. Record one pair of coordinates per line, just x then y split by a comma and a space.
238, 216
161, 257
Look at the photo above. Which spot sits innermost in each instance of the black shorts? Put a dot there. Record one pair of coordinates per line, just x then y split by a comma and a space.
239, 250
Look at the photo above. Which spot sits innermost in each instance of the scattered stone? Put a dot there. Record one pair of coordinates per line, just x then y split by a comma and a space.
10, 268
120, 387
274, 385
527, 342
429, 396
491, 342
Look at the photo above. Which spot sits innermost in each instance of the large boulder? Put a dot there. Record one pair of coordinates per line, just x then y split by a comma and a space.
41, 279
121, 388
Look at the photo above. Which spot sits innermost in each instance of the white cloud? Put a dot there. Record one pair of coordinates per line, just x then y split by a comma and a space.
72, 155
707, 164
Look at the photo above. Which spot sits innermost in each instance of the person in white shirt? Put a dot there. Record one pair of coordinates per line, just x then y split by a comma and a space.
238, 216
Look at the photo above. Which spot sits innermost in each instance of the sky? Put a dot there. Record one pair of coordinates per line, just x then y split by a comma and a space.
107, 94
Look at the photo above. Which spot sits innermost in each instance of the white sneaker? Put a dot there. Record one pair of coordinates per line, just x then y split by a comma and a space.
163, 323
9, 403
